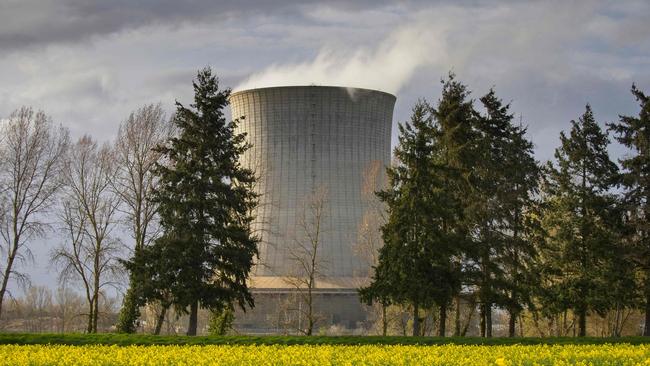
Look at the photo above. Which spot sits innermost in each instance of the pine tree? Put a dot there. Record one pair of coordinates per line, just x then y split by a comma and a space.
579, 220
204, 199
634, 133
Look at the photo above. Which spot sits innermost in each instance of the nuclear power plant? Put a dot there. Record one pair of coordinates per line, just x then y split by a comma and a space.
310, 147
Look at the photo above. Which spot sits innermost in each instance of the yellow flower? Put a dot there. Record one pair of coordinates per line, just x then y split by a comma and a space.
620, 354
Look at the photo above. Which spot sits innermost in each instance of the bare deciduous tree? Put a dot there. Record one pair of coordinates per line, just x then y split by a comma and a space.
89, 255
31, 153
135, 153
136, 156
305, 254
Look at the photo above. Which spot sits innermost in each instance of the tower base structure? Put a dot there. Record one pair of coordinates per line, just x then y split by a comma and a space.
284, 309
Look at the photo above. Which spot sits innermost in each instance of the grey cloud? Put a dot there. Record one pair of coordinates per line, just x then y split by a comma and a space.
33, 22
30, 23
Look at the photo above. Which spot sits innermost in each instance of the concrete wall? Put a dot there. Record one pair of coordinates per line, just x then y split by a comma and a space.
286, 313
306, 138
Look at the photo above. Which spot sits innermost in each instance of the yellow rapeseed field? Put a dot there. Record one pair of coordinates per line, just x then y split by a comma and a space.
326, 355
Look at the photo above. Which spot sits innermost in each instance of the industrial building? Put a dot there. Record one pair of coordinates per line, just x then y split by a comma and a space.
310, 144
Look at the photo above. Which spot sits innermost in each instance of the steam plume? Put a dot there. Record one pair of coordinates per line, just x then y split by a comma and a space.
387, 67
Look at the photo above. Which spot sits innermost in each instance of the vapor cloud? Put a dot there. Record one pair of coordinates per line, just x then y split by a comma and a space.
387, 67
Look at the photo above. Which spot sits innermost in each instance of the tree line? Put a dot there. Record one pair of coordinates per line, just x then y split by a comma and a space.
470, 213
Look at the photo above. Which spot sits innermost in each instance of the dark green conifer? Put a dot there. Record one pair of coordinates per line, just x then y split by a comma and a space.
580, 219
506, 175
205, 200
634, 133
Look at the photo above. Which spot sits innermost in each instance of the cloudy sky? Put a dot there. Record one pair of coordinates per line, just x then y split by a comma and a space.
88, 63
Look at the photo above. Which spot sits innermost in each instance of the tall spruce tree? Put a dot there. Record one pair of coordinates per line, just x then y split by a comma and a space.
486, 214
520, 225
398, 277
204, 199
507, 178
456, 153
416, 262
634, 133
579, 220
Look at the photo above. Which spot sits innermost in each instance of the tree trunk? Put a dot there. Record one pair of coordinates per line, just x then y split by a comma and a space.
457, 318
443, 321
91, 309
472, 309
582, 311
5, 278
384, 320
512, 321
96, 311
194, 314
160, 320
416, 320
488, 320
646, 327
482, 319
96, 274
582, 322
310, 312
310, 325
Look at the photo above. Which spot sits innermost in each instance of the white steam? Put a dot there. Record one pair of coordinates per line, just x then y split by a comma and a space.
387, 67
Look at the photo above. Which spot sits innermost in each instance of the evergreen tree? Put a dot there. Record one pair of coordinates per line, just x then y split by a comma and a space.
415, 264
156, 268
485, 212
458, 209
634, 133
579, 219
204, 199
521, 225
507, 178
456, 153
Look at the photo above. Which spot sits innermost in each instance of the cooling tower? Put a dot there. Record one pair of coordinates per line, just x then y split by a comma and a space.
310, 146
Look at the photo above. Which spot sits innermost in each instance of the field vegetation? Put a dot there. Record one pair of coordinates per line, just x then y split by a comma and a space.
622, 354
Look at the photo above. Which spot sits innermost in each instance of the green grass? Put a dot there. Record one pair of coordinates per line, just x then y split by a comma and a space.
141, 339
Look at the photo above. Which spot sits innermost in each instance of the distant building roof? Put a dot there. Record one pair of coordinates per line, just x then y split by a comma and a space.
274, 284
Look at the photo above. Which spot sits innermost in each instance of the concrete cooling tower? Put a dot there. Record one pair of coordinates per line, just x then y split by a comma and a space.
311, 147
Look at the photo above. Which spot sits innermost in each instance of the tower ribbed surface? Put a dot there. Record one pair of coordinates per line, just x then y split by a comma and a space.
305, 139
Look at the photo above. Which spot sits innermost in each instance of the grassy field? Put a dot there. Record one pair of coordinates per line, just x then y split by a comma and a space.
142, 339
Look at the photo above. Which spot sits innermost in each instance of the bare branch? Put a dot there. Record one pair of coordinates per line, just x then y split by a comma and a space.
31, 153
89, 255
136, 156
305, 253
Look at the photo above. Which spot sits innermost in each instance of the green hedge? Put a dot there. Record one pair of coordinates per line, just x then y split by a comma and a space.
141, 339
